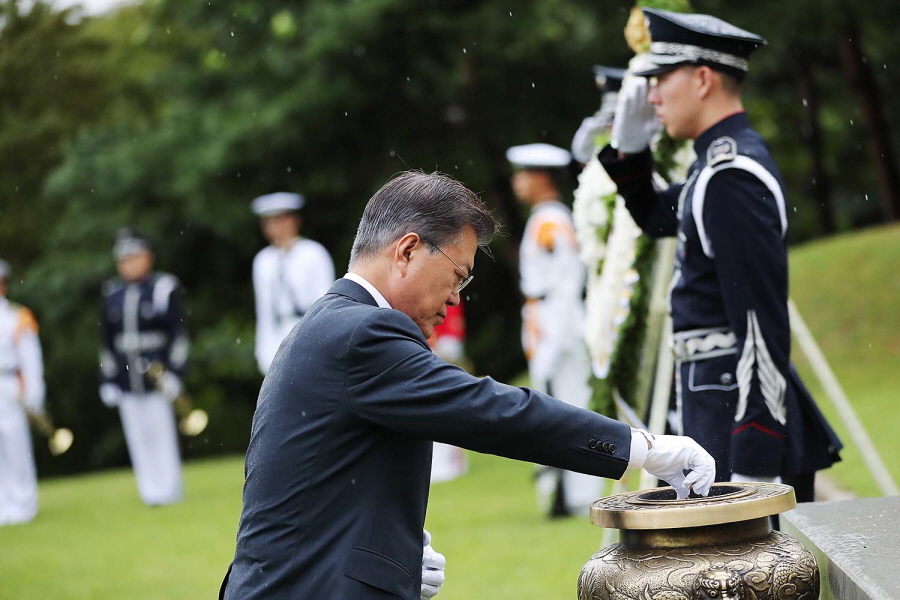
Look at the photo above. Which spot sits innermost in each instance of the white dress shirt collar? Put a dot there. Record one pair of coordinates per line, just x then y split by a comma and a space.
382, 302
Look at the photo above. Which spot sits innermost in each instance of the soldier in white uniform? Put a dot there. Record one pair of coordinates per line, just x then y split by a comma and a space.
552, 280
142, 325
21, 388
288, 275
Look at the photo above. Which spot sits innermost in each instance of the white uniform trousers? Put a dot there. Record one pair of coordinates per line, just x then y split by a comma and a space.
18, 477
152, 438
569, 383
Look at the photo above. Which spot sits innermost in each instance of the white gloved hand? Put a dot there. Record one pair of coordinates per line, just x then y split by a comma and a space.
432, 568
169, 385
584, 142
636, 122
110, 394
669, 455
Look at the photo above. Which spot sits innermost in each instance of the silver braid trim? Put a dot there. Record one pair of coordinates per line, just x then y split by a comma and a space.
692, 53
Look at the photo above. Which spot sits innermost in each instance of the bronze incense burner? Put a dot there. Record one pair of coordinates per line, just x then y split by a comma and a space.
719, 547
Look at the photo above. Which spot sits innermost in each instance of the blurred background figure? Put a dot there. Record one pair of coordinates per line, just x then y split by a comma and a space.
552, 282
448, 341
288, 275
21, 392
589, 137
143, 351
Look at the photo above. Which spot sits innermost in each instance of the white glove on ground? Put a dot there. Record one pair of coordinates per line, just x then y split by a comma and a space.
110, 394
169, 385
432, 569
635, 123
669, 455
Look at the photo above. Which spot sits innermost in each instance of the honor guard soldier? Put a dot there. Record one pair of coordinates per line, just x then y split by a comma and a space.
552, 278
584, 142
288, 275
21, 392
143, 351
736, 391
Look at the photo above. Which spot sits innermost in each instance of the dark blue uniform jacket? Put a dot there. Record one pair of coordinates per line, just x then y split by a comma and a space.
731, 276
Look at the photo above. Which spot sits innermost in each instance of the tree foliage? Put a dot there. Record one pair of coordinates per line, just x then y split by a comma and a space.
172, 115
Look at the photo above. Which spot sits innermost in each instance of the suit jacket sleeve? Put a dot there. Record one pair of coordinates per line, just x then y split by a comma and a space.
396, 382
655, 212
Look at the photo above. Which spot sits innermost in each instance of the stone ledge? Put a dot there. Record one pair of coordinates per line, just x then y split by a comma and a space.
856, 544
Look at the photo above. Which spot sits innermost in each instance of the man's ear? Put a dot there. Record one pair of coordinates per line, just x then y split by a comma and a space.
403, 251
707, 80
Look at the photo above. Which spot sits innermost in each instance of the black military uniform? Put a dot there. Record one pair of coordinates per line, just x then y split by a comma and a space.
142, 324
736, 391
142, 327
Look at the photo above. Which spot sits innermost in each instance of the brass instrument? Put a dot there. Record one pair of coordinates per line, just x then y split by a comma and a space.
191, 421
59, 439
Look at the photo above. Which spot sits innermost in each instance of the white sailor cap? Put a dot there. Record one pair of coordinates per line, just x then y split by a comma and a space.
5, 271
538, 156
677, 39
129, 242
276, 204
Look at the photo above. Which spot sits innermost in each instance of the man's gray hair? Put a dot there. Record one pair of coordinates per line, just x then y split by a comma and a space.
433, 205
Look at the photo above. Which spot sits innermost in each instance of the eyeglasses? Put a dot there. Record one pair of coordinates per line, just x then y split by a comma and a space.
464, 280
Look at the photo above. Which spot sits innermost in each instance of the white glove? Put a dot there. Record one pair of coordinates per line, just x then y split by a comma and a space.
432, 569
635, 123
169, 385
584, 143
669, 455
110, 394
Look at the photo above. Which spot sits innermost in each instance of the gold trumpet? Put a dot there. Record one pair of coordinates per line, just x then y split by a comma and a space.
59, 439
191, 421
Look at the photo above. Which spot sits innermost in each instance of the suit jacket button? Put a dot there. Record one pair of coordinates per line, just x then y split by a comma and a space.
592, 444
612, 448
605, 447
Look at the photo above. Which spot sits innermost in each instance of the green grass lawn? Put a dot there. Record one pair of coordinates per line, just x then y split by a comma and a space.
847, 289
93, 539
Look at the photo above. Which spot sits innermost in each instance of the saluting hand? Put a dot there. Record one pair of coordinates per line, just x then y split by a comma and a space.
635, 123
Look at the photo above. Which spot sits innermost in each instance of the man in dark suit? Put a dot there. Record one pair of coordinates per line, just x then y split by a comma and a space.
337, 472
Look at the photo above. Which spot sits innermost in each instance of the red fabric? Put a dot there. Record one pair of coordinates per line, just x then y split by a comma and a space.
454, 325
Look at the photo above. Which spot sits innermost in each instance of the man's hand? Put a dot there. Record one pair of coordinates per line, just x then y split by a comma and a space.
432, 569
669, 455
110, 394
635, 122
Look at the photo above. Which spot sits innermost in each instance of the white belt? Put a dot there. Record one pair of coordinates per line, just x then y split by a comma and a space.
700, 344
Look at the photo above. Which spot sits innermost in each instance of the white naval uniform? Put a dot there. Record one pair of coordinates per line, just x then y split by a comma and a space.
552, 280
21, 383
286, 281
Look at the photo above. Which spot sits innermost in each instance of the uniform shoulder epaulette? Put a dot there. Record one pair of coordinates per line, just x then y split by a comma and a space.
723, 149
